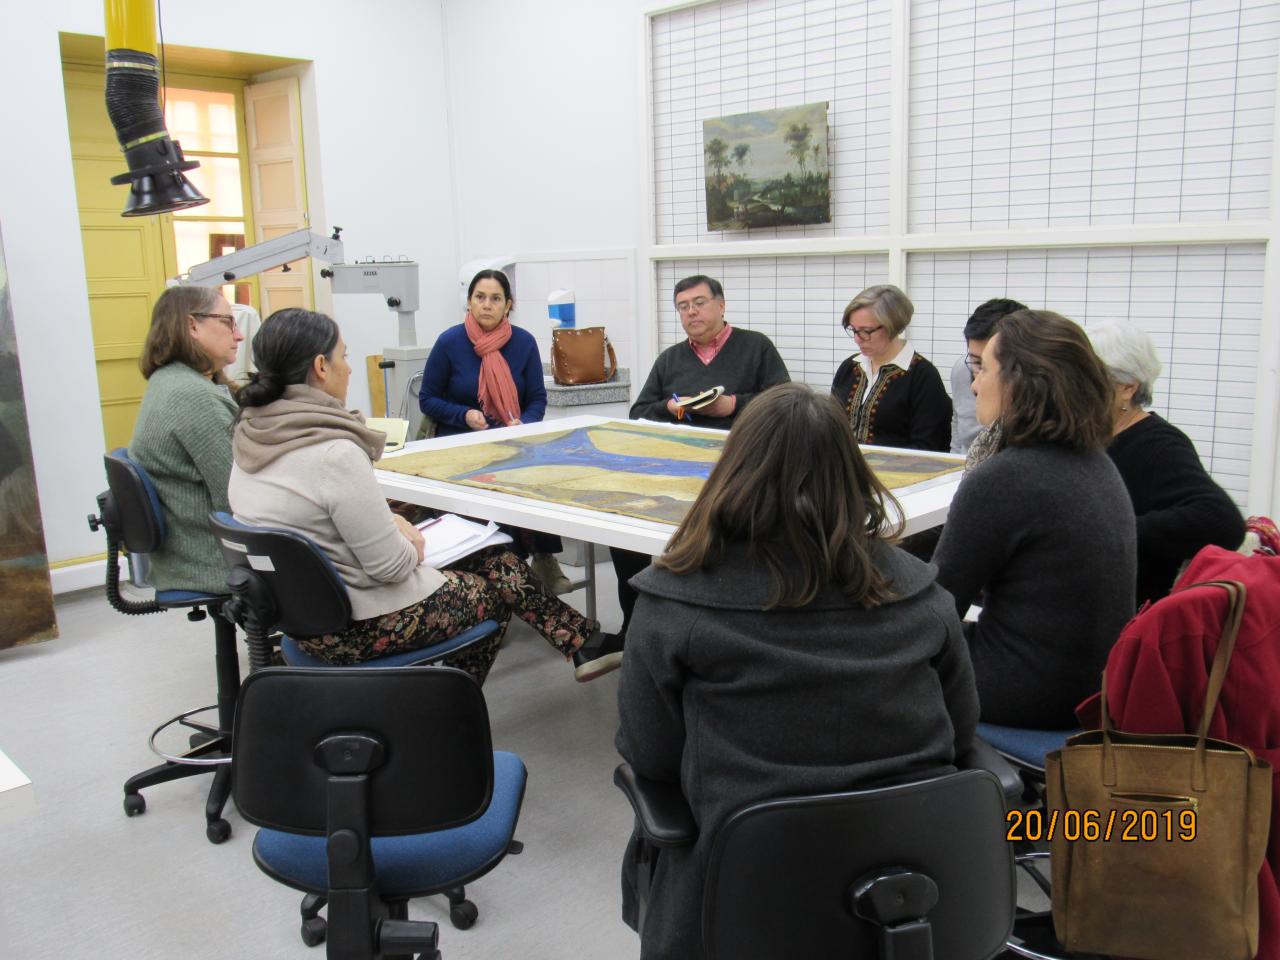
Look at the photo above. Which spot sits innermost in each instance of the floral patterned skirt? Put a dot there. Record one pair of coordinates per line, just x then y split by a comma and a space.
492, 584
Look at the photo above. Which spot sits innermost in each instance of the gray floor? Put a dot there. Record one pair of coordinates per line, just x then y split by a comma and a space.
78, 878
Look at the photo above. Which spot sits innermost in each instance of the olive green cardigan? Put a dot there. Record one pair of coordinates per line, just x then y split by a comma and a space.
183, 440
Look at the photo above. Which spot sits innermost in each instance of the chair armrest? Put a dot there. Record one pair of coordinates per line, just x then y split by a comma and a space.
983, 756
662, 813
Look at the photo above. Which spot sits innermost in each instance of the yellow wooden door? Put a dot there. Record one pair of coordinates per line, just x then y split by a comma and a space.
126, 259
277, 185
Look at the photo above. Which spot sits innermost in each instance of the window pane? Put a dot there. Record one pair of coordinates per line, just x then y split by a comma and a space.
197, 242
218, 178
201, 119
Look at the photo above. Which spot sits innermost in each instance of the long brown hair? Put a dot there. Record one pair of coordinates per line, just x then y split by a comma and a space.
169, 339
793, 491
1057, 389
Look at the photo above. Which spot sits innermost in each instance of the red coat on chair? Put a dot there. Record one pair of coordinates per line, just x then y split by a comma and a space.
1159, 668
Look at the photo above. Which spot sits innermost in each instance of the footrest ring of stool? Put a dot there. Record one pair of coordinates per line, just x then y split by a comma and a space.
194, 756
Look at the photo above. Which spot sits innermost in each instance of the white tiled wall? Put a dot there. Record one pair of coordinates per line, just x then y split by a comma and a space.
1201, 305
1077, 112
604, 287
720, 59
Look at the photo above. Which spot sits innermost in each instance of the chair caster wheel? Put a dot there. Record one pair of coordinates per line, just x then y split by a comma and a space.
134, 804
314, 931
463, 915
217, 831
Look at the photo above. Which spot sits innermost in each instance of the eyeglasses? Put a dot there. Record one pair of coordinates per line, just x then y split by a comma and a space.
974, 363
688, 306
864, 333
226, 319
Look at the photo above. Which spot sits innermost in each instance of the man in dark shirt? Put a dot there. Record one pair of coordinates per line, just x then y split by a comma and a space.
716, 354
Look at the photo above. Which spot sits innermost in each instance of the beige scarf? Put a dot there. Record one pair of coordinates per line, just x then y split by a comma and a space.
302, 417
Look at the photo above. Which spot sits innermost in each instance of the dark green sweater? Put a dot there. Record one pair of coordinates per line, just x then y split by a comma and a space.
183, 440
747, 364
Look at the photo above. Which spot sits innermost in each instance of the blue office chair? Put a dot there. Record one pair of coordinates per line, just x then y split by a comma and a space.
130, 513
902, 872
373, 787
281, 580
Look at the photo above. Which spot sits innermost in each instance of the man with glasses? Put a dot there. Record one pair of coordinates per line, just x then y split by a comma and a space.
716, 354
742, 361
977, 331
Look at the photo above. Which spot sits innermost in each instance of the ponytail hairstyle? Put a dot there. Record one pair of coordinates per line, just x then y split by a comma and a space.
283, 351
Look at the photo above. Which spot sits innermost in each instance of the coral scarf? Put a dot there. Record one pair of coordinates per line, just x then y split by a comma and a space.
497, 393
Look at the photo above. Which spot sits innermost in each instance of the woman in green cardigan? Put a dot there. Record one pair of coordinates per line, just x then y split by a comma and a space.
183, 434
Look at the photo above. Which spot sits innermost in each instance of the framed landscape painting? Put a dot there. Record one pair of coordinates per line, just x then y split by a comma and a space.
767, 169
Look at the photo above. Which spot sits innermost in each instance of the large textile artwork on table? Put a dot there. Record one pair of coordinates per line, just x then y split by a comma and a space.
26, 597
650, 471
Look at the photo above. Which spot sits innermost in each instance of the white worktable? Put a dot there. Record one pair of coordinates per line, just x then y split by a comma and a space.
925, 504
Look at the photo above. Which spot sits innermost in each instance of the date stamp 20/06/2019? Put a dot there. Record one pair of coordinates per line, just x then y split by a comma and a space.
1127, 826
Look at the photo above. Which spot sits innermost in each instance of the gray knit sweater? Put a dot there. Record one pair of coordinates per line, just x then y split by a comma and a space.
183, 440
1044, 539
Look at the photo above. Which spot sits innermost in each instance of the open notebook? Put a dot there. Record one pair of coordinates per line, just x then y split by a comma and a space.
450, 538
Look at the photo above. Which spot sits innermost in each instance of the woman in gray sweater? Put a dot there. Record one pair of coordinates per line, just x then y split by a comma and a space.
182, 437
783, 646
1041, 532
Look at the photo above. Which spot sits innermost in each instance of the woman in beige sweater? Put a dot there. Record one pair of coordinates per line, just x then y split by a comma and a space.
304, 462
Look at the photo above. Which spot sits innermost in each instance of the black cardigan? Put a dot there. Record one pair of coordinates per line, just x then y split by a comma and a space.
1178, 505
908, 408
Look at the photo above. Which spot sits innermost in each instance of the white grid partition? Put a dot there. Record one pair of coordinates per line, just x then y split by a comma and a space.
735, 57
795, 301
1046, 113
1201, 305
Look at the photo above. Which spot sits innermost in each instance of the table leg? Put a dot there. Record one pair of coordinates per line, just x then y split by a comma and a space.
590, 557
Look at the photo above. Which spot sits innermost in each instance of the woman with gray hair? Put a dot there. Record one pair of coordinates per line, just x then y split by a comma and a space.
892, 396
1178, 505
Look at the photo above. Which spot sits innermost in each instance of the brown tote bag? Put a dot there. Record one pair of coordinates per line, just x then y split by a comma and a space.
1158, 838
581, 355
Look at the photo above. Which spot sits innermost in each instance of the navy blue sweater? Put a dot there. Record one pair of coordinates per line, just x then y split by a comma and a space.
451, 380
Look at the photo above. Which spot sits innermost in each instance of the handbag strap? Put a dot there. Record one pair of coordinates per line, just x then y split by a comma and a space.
1236, 596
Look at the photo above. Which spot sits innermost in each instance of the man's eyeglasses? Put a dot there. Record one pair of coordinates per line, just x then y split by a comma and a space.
863, 333
974, 363
226, 319
688, 306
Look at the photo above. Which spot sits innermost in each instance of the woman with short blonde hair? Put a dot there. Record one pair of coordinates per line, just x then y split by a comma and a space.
892, 395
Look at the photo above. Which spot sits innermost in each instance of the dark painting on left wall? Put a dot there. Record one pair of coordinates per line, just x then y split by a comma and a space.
26, 596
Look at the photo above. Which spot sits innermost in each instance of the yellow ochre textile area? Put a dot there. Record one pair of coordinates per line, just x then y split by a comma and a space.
648, 471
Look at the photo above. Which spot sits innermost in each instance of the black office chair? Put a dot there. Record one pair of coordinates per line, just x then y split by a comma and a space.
280, 580
373, 787
130, 513
903, 872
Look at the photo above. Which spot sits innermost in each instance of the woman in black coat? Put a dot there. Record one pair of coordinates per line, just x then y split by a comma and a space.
1179, 507
783, 646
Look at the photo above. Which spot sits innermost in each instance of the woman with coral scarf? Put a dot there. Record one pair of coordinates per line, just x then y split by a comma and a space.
485, 372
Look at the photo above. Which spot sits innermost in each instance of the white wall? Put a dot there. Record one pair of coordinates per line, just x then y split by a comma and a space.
378, 142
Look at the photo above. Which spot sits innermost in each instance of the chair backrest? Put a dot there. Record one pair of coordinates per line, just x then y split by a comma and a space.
132, 509
436, 771
287, 579
784, 875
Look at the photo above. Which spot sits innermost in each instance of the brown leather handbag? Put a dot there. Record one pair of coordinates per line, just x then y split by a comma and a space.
1157, 839
581, 355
